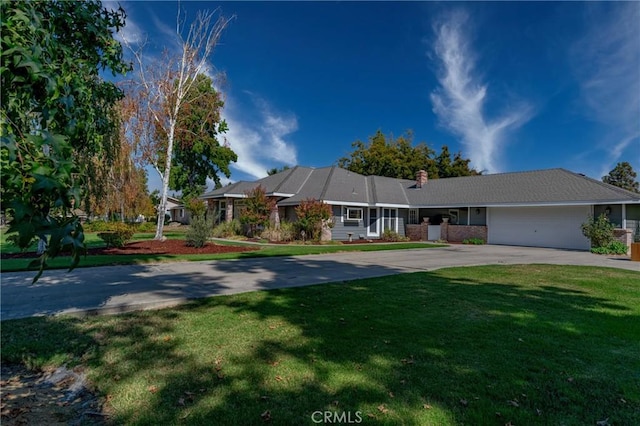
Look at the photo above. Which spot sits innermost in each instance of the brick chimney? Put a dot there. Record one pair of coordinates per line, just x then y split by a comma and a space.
421, 178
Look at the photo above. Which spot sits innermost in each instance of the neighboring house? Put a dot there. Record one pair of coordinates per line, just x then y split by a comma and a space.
542, 208
177, 211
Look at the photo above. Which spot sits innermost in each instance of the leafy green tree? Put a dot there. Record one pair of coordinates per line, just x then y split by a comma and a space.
399, 158
623, 176
257, 209
277, 170
55, 113
198, 154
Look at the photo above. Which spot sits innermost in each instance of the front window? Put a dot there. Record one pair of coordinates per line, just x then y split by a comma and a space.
353, 214
390, 220
222, 214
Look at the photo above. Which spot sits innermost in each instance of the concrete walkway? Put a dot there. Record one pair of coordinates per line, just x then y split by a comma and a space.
115, 289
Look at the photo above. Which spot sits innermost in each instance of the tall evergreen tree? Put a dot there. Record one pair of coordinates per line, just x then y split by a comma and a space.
622, 176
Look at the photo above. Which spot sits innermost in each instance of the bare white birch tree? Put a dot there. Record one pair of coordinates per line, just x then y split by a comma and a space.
160, 89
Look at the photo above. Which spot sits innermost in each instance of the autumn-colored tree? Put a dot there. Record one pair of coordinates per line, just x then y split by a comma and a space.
118, 183
399, 158
160, 93
623, 176
257, 209
312, 215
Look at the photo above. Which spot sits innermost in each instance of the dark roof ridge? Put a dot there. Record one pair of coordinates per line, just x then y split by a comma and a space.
326, 183
373, 187
291, 170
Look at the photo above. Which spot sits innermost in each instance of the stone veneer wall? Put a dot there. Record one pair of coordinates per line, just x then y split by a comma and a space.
625, 236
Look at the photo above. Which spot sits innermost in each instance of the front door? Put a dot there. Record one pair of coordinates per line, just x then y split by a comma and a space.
373, 227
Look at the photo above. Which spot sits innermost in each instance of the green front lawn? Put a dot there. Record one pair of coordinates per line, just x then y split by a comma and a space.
532, 344
92, 240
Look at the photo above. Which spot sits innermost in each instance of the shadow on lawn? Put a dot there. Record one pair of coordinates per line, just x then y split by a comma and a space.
465, 348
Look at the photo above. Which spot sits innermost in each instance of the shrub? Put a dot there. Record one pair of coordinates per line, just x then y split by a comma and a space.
96, 226
393, 236
614, 247
227, 229
599, 231
285, 233
117, 234
475, 241
200, 230
145, 227
311, 216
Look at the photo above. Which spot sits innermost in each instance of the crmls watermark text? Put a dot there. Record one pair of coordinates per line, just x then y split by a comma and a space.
334, 417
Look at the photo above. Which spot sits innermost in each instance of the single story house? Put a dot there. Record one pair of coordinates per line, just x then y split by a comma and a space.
177, 211
542, 208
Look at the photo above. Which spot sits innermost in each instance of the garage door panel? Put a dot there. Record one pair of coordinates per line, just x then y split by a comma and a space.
557, 227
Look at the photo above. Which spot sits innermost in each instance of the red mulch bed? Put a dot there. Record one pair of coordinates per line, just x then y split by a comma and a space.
151, 247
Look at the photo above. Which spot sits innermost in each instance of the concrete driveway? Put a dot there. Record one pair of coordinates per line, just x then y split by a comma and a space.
115, 289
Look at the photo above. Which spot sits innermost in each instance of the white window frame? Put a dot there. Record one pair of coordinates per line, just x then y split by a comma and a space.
414, 220
387, 218
181, 213
349, 210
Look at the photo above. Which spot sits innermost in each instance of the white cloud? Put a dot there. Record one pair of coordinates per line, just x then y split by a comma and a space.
459, 100
131, 31
607, 64
262, 145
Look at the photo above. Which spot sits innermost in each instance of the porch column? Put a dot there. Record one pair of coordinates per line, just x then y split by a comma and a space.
468, 216
624, 216
229, 214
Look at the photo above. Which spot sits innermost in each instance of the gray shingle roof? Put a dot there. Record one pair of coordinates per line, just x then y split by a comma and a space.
553, 186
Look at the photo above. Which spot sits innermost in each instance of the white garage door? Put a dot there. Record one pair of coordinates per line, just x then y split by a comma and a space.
557, 227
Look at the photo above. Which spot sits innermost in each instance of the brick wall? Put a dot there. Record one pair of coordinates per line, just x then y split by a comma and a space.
414, 232
459, 233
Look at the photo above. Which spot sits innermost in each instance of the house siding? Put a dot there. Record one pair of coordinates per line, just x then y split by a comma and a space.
341, 228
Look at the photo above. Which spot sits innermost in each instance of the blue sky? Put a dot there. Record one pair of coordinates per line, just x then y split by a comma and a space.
512, 85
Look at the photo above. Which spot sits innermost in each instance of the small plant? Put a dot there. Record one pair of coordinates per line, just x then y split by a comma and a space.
117, 235
473, 241
599, 231
227, 229
285, 233
614, 247
393, 236
199, 232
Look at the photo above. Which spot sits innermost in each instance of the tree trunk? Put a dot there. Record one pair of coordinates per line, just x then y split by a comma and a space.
165, 182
